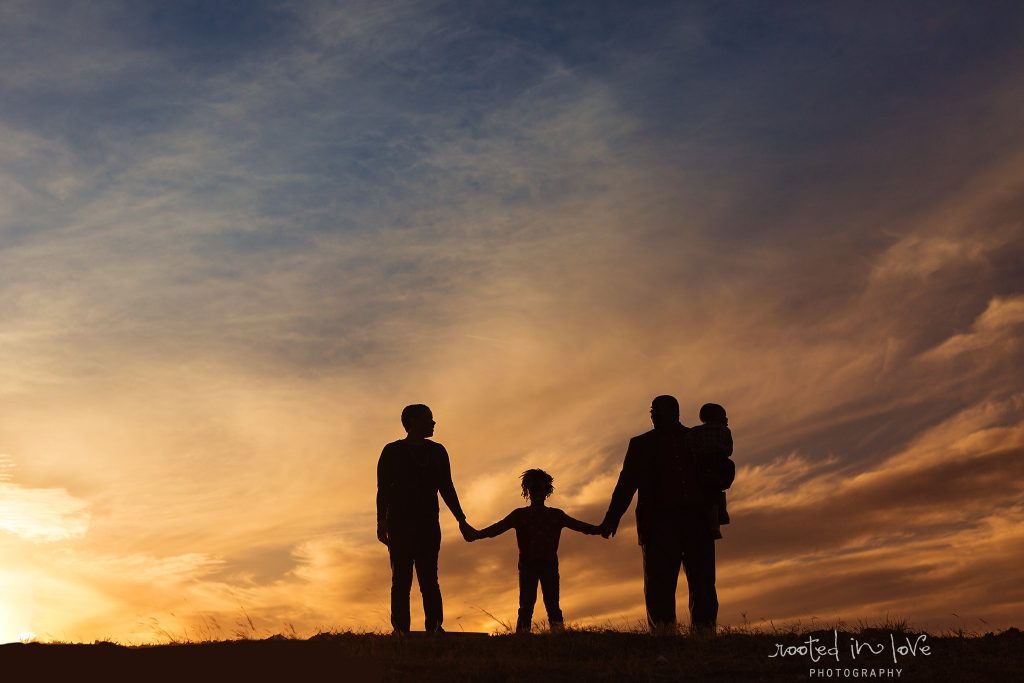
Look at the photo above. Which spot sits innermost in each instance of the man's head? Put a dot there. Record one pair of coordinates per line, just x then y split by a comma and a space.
664, 411
712, 413
537, 484
418, 421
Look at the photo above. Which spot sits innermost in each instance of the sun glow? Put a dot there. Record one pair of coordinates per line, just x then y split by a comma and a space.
16, 604
13, 627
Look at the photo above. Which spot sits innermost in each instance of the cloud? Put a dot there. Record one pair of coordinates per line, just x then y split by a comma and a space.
995, 326
41, 515
230, 255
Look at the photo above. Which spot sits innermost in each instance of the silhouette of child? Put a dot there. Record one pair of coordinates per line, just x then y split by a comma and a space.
711, 444
538, 528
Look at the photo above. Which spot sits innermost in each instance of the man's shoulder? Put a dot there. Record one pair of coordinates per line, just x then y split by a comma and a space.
652, 436
643, 438
434, 446
651, 440
396, 446
403, 444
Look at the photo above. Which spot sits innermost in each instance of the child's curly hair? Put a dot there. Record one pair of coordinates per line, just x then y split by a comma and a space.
538, 481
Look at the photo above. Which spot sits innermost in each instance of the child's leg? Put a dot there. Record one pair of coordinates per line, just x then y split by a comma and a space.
527, 597
549, 585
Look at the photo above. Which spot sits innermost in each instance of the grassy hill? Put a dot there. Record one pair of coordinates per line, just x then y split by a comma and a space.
572, 656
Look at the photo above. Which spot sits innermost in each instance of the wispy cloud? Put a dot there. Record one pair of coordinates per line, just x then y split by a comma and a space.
233, 244
39, 514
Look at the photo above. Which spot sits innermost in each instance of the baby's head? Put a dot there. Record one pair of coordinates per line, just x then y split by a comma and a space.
712, 413
537, 484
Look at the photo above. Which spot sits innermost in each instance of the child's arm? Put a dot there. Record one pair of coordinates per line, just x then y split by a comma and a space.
497, 528
582, 527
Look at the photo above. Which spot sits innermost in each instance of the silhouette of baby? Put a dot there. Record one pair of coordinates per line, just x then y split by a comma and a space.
711, 444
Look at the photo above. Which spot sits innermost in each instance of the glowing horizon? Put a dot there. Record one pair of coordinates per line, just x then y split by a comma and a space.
236, 241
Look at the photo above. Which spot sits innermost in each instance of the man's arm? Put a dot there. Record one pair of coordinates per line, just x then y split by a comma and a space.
447, 488
622, 496
383, 495
498, 528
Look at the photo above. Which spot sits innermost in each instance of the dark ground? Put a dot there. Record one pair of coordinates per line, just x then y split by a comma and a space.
572, 656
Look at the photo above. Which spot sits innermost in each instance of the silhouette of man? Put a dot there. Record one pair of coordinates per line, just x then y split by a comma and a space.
672, 519
410, 474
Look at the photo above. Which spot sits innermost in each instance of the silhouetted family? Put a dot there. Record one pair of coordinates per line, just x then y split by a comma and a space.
678, 474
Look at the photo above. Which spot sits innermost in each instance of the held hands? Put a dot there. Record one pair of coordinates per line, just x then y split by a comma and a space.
468, 532
607, 529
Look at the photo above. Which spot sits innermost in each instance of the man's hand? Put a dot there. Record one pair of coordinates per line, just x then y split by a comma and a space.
607, 529
382, 532
468, 532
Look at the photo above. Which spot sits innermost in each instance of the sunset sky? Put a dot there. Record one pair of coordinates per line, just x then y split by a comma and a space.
237, 238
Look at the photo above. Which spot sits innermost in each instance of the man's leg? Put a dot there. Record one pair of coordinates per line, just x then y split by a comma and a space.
430, 589
527, 597
661, 571
699, 565
549, 586
401, 583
